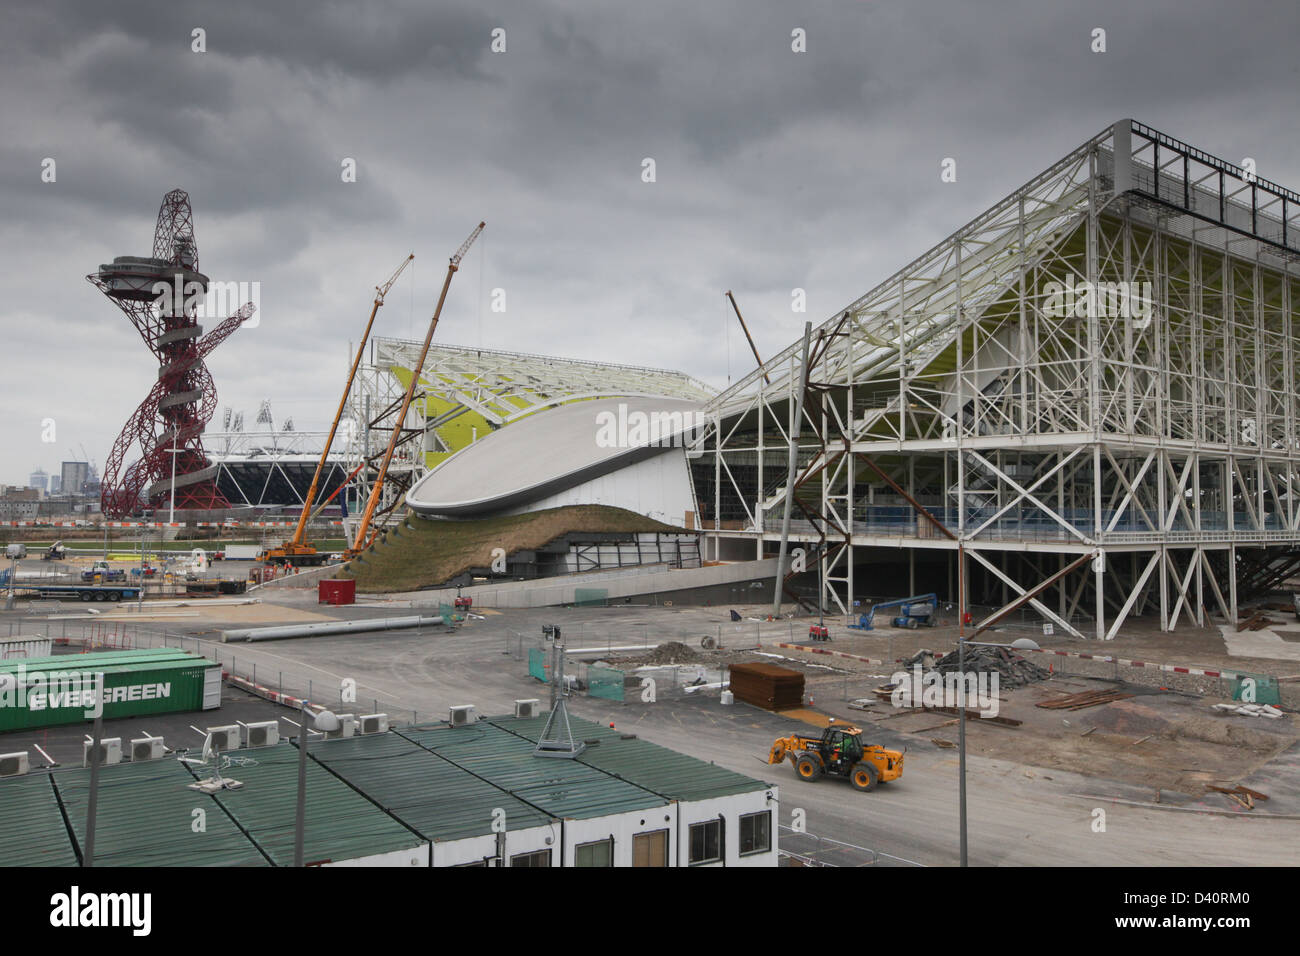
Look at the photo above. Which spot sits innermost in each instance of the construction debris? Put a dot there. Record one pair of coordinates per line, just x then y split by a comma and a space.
1088, 698
1012, 669
1247, 710
1243, 795
1256, 622
670, 652
976, 716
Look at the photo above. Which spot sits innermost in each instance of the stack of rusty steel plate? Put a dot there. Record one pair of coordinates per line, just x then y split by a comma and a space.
767, 686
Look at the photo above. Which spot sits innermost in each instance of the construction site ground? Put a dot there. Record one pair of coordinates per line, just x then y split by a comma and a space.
1033, 789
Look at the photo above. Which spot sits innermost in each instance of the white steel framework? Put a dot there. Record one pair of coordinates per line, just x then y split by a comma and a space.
1089, 391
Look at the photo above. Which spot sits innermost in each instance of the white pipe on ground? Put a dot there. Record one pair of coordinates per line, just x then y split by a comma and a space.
286, 631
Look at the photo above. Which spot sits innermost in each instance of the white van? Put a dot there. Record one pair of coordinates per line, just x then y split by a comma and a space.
15, 551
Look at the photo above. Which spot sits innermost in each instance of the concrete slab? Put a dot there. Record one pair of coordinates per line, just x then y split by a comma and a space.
1267, 643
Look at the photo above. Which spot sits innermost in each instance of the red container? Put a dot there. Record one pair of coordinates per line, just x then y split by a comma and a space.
336, 591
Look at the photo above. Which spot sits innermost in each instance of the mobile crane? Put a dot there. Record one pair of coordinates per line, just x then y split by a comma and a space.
360, 541
295, 551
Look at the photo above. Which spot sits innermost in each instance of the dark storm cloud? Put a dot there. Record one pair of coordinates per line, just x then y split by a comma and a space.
775, 170
347, 40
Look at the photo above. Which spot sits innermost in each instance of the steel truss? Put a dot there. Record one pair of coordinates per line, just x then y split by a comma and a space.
268, 469
1103, 364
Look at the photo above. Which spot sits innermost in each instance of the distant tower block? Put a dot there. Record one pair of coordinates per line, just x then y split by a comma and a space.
161, 295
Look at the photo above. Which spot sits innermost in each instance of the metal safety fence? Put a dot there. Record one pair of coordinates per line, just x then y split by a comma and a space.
272, 682
807, 849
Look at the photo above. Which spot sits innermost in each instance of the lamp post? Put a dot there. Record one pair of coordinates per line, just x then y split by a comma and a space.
1020, 644
11, 598
821, 587
171, 514
325, 721
144, 536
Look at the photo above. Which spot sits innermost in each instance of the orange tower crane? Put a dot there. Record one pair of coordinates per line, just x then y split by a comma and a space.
295, 551
360, 542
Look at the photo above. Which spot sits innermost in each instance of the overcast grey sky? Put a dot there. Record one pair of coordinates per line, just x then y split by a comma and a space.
775, 169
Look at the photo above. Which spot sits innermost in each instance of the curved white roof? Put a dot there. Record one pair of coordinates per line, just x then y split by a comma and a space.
553, 450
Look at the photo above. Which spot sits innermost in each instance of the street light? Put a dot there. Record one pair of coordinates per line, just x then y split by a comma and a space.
821, 587
1020, 644
325, 722
11, 599
171, 514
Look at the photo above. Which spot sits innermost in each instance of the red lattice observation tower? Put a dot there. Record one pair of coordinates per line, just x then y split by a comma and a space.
162, 295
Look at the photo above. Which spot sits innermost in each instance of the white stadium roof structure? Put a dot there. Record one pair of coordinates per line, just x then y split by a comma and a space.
556, 450
1089, 392
466, 394
505, 386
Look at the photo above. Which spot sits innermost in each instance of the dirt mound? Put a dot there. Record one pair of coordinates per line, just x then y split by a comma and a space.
1128, 717
673, 652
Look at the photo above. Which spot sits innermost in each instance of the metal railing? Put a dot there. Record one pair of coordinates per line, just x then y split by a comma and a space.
808, 849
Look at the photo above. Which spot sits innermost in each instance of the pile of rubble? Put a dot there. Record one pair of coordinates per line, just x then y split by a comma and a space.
1012, 669
671, 652
1250, 710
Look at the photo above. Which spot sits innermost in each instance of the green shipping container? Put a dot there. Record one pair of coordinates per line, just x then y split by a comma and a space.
47, 692
98, 659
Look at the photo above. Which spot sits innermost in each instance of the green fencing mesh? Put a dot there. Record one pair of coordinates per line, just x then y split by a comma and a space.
537, 664
590, 597
605, 682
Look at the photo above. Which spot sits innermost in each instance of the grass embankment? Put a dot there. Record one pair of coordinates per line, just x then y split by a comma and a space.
430, 552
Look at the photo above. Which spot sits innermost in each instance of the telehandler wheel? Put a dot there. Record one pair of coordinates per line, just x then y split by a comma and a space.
808, 767
864, 777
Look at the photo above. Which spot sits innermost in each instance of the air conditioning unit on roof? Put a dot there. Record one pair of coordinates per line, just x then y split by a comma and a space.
14, 765
462, 716
225, 738
372, 724
110, 751
525, 709
346, 728
147, 748
265, 733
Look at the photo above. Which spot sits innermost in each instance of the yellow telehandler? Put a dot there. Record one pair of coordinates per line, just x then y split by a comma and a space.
840, 752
